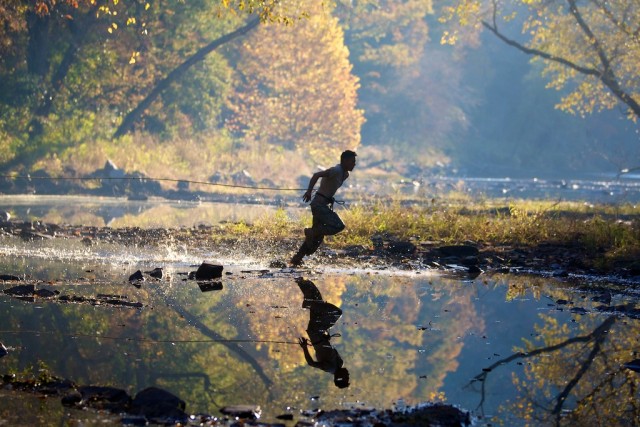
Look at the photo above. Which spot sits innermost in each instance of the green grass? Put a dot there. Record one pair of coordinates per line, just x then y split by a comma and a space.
606, 231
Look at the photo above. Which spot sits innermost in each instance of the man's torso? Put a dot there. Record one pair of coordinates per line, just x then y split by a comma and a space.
330, 184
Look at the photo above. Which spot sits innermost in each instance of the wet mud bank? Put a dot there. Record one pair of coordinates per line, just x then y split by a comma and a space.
466, 259
155, 406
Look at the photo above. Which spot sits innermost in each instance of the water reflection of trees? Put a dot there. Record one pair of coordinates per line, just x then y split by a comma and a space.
573, 372
398, 335
405, 335
582, 381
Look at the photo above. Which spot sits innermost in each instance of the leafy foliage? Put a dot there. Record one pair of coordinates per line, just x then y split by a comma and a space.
385, 33
301, 95
590, 49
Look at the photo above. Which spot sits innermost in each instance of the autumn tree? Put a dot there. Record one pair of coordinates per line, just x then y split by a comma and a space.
389, 33
295, 88
589, 49
387, 40
271, 11
66, 71
70, 70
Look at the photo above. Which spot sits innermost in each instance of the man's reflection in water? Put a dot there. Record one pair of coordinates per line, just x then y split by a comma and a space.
322, 317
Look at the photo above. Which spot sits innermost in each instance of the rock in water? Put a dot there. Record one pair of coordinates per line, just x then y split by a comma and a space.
242, 411
156, 273
208, 271
136, 278
158, 404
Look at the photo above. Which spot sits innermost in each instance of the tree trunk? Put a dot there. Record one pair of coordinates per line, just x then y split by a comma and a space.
38, 54
134, 116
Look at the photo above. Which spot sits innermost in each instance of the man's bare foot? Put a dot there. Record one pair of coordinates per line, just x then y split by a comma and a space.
296, 260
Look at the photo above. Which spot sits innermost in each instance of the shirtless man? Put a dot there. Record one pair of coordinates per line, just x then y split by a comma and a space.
325, 221
322, 317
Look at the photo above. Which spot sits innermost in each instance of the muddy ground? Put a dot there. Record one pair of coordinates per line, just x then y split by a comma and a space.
561, 260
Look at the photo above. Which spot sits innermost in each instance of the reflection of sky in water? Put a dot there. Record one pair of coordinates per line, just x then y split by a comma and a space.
404, 335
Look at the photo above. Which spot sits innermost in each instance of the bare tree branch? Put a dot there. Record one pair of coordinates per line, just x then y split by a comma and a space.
606, 75
540, 53
560, 399
598, 335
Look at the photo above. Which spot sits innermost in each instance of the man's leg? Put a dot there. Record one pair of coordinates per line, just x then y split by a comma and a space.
314, 236
309, 246
296, 260
325, 221
313, 244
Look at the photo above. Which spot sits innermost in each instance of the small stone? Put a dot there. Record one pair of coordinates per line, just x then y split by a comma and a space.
242, 411
156, 273
208, 271
136, 278
46, 293
21, 290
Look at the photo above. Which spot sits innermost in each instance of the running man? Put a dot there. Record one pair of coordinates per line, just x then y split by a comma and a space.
325, 221
322, 317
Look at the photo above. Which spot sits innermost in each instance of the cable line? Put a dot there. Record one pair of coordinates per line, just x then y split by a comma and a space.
152, 341
132, 178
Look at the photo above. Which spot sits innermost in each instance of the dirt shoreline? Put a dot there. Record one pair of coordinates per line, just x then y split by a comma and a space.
561, 260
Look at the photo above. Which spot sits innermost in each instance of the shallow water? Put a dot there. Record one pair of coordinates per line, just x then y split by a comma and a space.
513, 350
159, 212
120, 212
408, 337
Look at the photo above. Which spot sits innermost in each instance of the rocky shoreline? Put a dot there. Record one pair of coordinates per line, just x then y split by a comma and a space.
159, 407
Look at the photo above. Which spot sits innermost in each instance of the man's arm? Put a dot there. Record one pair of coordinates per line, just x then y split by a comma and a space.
312, 183
303, 343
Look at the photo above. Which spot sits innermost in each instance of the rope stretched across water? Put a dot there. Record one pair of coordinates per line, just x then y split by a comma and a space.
136, 178
152, 341
132, 178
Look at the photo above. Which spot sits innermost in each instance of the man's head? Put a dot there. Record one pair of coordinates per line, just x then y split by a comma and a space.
341, 378
348, 159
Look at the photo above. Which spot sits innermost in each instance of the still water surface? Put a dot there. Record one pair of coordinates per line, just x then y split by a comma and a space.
120, 212
507, 348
